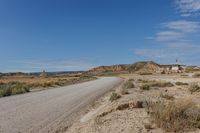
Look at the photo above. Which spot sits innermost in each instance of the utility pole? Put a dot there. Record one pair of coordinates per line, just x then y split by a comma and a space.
176, 61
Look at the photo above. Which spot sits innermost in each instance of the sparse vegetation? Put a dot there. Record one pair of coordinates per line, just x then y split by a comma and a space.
148, 81
148, 84
128, 85
194, 87
17, 87
139, 80
12, 88
167, 96
161, 84
196, 75
108, 74
145, 87
114, 96
174, 116
124, 91
184, 75
145, 73
154, 83
181, 83
191, 70
132, 80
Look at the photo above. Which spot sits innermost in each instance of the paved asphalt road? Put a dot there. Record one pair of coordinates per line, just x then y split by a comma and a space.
44, 111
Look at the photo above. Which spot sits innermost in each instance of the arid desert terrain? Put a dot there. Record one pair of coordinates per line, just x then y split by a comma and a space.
156, 103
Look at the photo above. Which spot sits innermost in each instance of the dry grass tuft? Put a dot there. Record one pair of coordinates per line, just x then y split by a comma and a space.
194, 87
184, 75
174, 116
154, 83
145, 87
196, 75
128, 85
13, 88
167, 96
114, 96
124, 91
146, 73
161, 84
181, 83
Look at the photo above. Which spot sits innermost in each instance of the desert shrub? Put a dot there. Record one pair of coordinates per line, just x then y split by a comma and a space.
181, 83
20, 88
175, 116
128, 85
114, 96
146, 81
161, 84
196, 75
145, 73
154, 83
47, 84
131, 80
167, 96
12, 88
124, 91
184, 75
139, 80
194, 87
5, 92
145, 87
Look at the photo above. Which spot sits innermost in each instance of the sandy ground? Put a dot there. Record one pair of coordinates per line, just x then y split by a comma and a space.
107, 117
50, 110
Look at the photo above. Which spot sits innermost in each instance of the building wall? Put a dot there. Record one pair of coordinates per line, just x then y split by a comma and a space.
175, 68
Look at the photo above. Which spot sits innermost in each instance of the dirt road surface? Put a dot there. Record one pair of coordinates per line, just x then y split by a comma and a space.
45, 111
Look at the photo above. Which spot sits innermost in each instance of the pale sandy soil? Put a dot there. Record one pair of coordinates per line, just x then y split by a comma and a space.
106, 117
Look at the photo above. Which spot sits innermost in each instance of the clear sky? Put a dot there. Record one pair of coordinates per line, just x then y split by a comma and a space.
58, 35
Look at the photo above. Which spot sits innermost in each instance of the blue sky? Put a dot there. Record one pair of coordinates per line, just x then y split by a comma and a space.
81, 34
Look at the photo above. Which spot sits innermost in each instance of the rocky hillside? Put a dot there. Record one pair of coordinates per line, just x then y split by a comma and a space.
144, 66
104, 69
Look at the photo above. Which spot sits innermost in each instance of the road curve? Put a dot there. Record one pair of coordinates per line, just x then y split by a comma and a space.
44, 111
